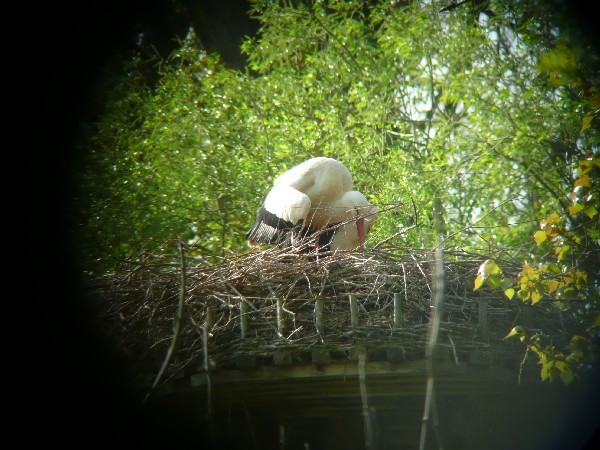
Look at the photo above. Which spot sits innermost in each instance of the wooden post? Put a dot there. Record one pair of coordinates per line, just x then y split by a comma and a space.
319, 315
280, 316
244, 318
208, 324
210, 318
206, 367
483, 320
397, 312
353, 311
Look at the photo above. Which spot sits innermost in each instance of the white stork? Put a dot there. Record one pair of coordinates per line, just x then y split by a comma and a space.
314, 197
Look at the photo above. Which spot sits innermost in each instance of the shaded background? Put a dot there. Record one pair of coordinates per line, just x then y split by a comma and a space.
81, 395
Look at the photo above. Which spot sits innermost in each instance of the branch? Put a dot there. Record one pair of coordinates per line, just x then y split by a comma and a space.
404, 230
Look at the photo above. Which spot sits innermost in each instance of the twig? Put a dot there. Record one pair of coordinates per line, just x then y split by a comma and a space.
176, 325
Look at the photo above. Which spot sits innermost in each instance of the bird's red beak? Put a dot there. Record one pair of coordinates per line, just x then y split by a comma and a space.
360, 227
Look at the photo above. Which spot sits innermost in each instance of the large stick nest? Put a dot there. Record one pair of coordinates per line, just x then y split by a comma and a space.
139, 303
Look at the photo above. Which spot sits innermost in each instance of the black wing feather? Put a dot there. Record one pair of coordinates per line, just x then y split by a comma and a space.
269, 228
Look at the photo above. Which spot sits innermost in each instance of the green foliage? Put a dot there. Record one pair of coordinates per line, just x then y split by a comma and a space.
561, 275
490, 116
566, 364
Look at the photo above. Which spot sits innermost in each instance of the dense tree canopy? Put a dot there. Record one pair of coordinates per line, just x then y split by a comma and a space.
493, 110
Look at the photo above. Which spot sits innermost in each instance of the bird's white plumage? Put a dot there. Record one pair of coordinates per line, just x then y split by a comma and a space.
309, 197
288, 203
354, 206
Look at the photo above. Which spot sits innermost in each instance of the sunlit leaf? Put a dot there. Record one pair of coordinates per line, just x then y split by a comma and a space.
535, 297
553, 285
540, 236
590, 211
575, 208
478, 282
562, 252
516, 331
488, 268
530, 272
551, 218
510, 292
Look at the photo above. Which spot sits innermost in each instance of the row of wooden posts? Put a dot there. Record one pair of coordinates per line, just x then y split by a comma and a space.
245, 307
282, 313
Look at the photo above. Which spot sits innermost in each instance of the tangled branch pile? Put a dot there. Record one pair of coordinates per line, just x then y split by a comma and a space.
278, 292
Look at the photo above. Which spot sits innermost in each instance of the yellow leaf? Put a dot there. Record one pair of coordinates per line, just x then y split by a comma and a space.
551, 218
539, 237
583, 180
488, 268
553, 285
510, 292
535, 297
561, 252
581, 275
575, 208
478, 282
530, 272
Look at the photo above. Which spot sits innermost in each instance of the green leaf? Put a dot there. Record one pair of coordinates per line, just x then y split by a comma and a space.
494, 281
594, 100
567, 376
545, 372
510, 292
587, 121
590, 211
